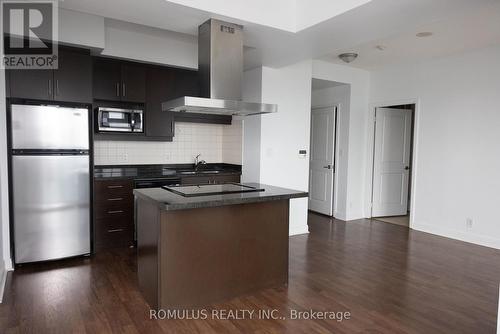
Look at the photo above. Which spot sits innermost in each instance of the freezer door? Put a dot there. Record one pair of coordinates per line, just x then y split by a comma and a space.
51, 207
49, 127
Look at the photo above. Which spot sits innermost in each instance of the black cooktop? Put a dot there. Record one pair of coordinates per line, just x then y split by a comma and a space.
211, 189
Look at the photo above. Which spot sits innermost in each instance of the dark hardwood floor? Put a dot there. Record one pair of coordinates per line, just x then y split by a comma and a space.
391, 280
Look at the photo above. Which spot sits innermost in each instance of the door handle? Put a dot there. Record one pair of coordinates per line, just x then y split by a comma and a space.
57, 87
407, 168
50, 88
328, 167
115, 211
116, 230
114, 187
123, 85
115, 199
118, 89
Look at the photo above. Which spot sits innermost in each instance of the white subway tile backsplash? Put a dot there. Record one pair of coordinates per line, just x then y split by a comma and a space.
216, 143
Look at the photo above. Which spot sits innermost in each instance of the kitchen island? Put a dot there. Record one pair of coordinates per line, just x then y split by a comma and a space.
195, 249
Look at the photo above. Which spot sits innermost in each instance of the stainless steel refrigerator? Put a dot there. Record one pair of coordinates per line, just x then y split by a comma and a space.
50, 171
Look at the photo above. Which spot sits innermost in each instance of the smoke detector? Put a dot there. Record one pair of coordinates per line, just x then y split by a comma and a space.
348, 57
425, 34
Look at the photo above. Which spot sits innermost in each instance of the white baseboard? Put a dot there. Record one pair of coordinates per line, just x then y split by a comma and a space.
470, 237
498, 314
8, 265
3, 280
340, 215
298, 231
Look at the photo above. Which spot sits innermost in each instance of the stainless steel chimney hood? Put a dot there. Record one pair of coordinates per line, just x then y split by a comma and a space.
220, 62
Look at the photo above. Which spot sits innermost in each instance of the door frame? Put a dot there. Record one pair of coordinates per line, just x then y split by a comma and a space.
336, 107
371, 156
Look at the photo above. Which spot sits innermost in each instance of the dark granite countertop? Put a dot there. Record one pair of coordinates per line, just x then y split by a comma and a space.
167, 200
162, 171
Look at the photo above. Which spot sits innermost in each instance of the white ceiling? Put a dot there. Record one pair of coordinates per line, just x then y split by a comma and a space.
380, 21
476, 29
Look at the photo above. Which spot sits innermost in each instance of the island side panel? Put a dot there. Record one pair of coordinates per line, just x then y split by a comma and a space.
214, 254
148, 219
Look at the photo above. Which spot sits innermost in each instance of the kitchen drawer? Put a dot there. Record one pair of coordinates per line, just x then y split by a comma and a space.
114, 211
115, 201
113, 188
113, 233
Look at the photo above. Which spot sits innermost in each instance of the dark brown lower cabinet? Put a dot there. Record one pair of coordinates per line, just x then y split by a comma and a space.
114, 209
196, 257
113, 214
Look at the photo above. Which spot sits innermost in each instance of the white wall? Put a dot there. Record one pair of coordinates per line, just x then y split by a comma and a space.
352, 136
215, 142
457, 141
81, 29
126, 40
5, 261
338, 96
284, 133
137, 42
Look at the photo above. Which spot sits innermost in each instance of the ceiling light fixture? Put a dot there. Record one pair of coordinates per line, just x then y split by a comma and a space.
348, 57
425, 34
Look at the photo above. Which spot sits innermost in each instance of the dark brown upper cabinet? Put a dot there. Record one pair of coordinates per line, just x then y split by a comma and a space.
106, 79
32, 84
73, 79
133, 82
71, 82
116, 80
160, 87
186, 83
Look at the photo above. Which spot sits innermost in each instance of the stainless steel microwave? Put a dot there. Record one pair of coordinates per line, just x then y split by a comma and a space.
120, 120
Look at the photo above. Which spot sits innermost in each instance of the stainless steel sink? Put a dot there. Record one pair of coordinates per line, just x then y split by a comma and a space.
192, 172
210, 171
187, 172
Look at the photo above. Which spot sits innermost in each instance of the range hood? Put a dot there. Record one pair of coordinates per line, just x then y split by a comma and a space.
220, 61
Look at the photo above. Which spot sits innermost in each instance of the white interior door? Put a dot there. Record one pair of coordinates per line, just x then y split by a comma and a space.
321, 169
391, 167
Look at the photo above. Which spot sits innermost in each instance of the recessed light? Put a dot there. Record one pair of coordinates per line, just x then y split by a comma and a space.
425, 34
348, 57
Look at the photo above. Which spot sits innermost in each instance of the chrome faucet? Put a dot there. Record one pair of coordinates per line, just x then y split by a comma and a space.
198, 162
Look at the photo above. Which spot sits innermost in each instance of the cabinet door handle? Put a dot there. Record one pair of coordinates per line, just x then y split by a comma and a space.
57, 87
116, 230
118, 89
123, 85
50, 88
115, 211
115, 199
114, 187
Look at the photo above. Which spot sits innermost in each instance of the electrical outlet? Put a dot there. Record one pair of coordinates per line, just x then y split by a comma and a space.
469, 223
